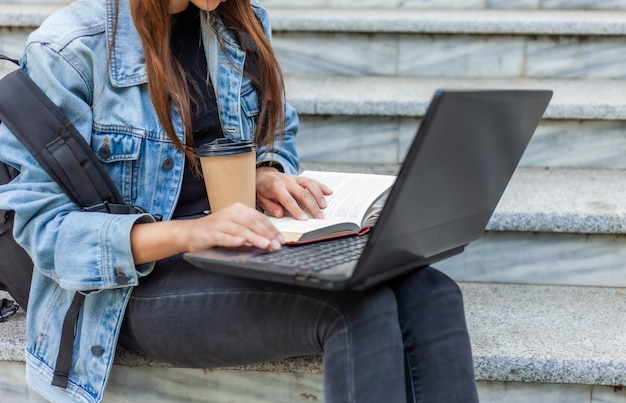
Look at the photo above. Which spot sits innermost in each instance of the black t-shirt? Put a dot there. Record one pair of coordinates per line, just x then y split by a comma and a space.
188, 49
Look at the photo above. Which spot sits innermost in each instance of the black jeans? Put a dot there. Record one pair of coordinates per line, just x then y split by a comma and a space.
403, 342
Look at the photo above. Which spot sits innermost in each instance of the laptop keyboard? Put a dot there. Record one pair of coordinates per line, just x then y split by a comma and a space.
317, 256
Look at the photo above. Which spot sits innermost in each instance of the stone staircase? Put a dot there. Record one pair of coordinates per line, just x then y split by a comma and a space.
545, 287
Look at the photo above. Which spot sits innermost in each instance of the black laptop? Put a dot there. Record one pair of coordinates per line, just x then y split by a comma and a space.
465, 151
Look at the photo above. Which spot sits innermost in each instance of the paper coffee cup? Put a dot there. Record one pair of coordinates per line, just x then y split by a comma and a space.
229, 170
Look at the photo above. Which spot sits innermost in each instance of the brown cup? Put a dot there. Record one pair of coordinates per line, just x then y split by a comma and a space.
229, 170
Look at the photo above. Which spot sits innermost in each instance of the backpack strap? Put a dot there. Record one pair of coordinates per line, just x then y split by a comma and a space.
6, 175
58, 147
3, 57
64, 358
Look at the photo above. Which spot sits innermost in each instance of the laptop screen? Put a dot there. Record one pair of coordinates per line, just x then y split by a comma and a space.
464, 153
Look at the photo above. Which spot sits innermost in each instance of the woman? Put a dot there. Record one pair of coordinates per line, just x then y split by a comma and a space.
147, 81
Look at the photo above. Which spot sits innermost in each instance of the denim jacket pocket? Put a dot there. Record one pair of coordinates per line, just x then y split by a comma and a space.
119, 154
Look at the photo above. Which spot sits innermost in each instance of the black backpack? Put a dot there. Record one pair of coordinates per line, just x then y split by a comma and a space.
16, 268
65, 155
13, 256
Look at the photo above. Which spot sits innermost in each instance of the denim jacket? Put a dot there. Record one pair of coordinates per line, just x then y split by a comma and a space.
76, 251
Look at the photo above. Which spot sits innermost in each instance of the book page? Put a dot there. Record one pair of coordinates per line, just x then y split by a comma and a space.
353, 193
349, 208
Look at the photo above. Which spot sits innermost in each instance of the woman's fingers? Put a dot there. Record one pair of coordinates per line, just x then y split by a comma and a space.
277, 192
236, 225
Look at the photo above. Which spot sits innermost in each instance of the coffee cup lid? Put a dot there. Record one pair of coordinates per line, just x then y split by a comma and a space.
225, 146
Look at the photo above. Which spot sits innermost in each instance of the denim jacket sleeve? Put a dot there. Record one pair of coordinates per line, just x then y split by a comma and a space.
284, 150
47, 224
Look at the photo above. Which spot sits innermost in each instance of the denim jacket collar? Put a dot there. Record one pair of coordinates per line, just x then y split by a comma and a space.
127, 62
128, 66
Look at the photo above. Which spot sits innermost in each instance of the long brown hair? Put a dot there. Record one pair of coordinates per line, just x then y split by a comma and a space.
166, 78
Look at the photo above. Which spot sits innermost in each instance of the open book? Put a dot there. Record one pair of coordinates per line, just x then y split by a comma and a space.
353, 207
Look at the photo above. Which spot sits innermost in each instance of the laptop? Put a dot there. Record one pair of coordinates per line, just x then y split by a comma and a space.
462, 157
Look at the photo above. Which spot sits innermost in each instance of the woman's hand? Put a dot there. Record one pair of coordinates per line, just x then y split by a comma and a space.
277, 192
232, 226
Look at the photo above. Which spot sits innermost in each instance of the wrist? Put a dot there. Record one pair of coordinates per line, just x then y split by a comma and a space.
271, 164
155, 241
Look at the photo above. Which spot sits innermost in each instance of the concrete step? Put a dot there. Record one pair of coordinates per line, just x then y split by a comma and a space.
409, 96
435, 21
452, 55
594, 144
552, 227
27, 14
38, 2
530, 343
370, 119
467, 43
454, 4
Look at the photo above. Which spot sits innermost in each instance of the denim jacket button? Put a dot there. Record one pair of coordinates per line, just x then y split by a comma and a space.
104, 153
97, 350
168, 163
121, 279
